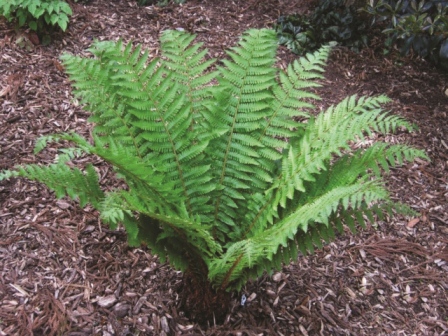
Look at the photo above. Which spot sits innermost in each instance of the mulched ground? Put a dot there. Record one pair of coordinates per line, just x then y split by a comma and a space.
62, 273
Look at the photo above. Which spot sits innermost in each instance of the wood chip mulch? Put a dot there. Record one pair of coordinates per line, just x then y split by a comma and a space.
63, 273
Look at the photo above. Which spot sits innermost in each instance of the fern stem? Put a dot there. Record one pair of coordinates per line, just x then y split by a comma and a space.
132, 136
224, 165
254, 221
176, 156
225, 282
179, 169
268, 124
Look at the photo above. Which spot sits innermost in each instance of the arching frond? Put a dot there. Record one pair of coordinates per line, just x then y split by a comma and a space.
291, 98
307, 155
246, 81
245, 257
64, 181
187, 62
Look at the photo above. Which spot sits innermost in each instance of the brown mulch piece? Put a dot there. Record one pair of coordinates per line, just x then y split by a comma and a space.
63, 273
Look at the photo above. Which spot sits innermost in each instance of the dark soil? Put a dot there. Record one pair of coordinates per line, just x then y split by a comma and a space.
63, 273
201, 302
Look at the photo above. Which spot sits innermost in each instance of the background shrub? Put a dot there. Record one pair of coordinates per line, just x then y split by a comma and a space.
330, 21
421, 27
38, 15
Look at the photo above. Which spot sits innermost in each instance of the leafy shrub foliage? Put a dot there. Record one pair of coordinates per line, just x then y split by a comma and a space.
227, 174
421, 27
37, 14
330, 21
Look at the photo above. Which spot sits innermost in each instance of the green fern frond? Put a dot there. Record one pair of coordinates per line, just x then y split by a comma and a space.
290, 95
307, 156
246, 76
97, 86
64, 181
153, 118
81, 143
7, 174
247, 253
187, 62
363, 163
328, 135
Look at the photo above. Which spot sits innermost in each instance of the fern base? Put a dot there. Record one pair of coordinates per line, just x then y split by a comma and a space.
201, 302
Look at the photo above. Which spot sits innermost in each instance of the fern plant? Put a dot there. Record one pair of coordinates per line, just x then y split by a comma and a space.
227, 173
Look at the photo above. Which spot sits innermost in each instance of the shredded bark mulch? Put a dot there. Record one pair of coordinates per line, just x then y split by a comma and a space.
63, 273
